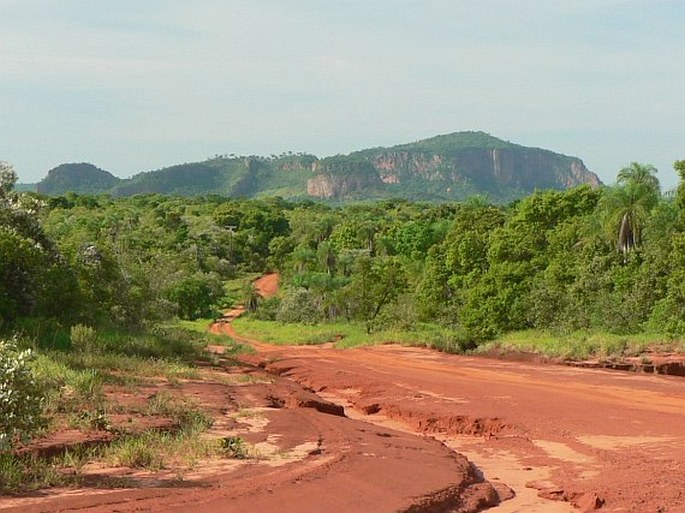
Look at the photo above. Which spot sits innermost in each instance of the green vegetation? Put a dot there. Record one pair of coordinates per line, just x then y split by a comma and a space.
582, 345
457, 141
80, 178
91, 298
347, 335
20, 396
74, 389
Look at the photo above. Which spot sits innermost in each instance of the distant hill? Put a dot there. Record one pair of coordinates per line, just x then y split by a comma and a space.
443, 168
81, 178
25, 187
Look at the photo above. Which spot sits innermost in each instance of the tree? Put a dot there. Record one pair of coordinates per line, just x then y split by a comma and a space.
327, 257
625, 207
374, 284
251, 296
8, 178
679, 166
643, 174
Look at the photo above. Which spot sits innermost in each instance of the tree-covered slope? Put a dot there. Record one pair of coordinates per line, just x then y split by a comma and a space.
82, 178
443, 168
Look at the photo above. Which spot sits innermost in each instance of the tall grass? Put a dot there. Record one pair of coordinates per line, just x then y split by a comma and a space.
347, 335
583, 345
573, 346
27, 472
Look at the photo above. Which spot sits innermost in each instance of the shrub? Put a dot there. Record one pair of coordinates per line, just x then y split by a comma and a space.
235, 447
268, 309
299, 305
83, 338
21, 398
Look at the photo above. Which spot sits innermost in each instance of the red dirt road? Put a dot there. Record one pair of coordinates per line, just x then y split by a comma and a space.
563, 439
584, 436
594, 438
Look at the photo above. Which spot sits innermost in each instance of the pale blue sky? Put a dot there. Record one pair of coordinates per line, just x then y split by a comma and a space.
135, 85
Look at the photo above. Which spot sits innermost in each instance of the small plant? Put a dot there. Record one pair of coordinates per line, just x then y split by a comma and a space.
161, 404
83, 338
184, 413
92, 419
234, 447
27, 472
195, 421
11, 472
145, 451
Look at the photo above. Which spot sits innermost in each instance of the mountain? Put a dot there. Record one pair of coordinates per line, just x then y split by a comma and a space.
443, 168
449, 167
81, 178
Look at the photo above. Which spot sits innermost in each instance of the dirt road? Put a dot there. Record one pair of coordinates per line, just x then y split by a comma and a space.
590, 437
387, 429
593, 438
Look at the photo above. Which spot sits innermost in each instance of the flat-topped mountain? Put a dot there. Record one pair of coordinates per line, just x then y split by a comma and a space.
443, 168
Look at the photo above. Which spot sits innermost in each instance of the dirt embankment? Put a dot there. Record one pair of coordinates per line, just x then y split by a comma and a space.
589, 438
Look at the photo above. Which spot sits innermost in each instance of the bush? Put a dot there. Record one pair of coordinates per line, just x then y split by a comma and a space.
299, 305
268, 309
20, 396
195, 296
83, 338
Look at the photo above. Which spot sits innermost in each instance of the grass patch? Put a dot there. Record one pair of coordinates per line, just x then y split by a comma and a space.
573, 346
235, 288
200, 326
22, 473
74, 372
347, 335
196, 326
183, 413
583, 345
183, 448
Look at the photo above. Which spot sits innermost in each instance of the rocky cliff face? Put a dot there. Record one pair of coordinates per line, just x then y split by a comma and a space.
329, 186
490, 171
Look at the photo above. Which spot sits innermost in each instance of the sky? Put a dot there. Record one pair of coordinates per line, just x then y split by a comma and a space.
137, 85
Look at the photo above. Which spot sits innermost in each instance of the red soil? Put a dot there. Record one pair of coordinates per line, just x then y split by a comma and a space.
564, 439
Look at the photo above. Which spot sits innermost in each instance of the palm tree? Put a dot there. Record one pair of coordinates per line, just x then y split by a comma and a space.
626, 206
642, 174
625, 209
303, 259
328, 257
638, 173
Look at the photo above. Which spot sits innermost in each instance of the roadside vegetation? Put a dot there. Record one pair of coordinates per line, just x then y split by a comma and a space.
583, 345
100, 295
